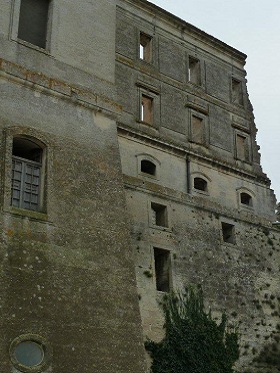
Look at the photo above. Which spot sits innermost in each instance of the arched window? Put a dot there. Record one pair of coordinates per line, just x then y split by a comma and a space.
148, 167
200, 184
246, 199
26, 189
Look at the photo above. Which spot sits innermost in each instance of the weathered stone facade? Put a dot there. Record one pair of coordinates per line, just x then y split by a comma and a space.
150, 179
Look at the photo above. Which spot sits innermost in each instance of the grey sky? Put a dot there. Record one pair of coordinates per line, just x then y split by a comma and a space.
252, 27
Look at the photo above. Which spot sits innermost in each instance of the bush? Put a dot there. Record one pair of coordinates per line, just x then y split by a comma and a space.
194, 342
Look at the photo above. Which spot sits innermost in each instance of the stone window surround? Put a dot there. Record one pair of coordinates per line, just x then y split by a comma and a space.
14, 21
205, 125
204, 177
151, 217
148, 157
247, 138
152, 92
244, 206
35, 136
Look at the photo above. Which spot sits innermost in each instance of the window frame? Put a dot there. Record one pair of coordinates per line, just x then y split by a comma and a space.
205, 128
153, 94
15, 26
233, 92
147, 157
198, 81
42, 142
149, 46
169, 253
151, 222
228, 225
247, 138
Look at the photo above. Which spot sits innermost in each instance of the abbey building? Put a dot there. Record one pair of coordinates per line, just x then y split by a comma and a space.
129, 168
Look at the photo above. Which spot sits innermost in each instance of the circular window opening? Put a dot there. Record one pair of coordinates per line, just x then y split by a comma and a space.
29, 353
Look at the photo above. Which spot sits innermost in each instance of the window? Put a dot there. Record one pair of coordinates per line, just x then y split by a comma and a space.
197, 129
228, 233
236, 92
30, 353
148, 167
194, 71
147, 115
26, 174
159, 215
242, 148
162, 269
200, 184
246, 199
145, 47
33, 22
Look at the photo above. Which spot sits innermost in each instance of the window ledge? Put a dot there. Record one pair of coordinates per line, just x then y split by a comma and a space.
200, 192
35, 215
160, 228
32, 46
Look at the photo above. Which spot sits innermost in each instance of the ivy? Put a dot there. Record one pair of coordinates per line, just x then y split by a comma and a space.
193, 342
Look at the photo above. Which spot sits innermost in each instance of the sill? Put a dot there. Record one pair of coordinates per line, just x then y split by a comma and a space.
147, 124
32, 46
34, 215
200, 192
161, 228
148, 176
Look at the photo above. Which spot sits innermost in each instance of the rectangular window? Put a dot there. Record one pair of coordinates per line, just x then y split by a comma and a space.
242, 148
159, 215
147, 114
145, 47
236, 92
162, 269
228, 233
33, 22
197, 129
194, 71
25, 184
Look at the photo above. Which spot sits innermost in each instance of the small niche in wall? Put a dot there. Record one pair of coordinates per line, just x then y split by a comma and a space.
162, 269
228, 232
159, 215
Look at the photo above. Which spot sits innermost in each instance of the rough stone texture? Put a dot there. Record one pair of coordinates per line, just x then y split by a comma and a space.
240, 277
80, 273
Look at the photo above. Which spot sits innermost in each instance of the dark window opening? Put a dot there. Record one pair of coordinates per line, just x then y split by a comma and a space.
200, 184
33, 21
228, 233
145, 47
159, 215
194, 71
236, 89
246, 199
147, 109
162, 269
148, 167
26, 174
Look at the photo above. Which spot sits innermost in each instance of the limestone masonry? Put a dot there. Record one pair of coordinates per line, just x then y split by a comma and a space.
129, 167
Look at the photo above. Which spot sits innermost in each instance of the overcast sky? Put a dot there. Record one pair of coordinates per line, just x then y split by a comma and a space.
253, 27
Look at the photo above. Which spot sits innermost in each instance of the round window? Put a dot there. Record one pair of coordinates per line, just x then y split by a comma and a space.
30, 353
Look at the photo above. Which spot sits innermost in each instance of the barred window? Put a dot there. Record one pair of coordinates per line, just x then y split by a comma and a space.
26, 174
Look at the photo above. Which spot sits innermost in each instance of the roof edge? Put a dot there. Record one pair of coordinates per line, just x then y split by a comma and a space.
185, 26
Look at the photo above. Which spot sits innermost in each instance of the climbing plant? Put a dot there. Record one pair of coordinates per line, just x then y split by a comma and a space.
193, 342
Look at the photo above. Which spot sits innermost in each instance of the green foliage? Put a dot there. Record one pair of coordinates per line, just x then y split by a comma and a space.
194, 342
